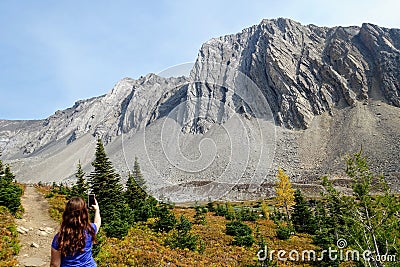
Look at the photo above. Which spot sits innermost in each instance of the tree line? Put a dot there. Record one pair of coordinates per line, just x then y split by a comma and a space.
366, 220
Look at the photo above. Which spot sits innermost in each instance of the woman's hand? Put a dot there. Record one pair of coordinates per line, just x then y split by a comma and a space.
96, 205
97, 218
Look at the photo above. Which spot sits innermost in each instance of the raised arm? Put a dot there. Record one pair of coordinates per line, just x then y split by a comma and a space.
97, 218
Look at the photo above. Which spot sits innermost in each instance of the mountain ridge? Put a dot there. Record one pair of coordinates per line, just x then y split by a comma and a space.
327, 89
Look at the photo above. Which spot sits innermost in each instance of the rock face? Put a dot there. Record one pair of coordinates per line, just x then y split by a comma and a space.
124, 108
326, 90
304, 71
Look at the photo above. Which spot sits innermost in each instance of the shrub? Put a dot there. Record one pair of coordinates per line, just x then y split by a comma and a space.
220, 210
9, 246
10, 196
230, 211
166, 220
200, 216
117, 228
60, 189
210, 206
323, 237
245, 214
277, 217
243, 241
241, 232
101, 238
237, 228
49, 195
145, 209
284, 232
182, 238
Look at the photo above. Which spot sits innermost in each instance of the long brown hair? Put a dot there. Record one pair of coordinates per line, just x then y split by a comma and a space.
74, 226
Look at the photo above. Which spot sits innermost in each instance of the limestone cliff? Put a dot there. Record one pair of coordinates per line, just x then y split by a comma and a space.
304, 71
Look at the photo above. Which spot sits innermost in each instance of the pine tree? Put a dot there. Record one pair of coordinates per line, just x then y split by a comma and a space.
81, 186
372, 219
8, 176
302, 218
105, 183
81, 181
5, 173
1, 167
200, 216
284, 192
137, 175
182, 238
230, 211
135, 194
166, 220
367, 221
10, 193
210, 205
143, 205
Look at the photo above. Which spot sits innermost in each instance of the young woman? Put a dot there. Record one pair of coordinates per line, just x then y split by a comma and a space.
72, 245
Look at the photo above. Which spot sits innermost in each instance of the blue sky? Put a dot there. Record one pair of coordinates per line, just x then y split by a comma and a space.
53, 53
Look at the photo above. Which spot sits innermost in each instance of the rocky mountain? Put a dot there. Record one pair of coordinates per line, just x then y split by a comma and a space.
277, 93
304, 71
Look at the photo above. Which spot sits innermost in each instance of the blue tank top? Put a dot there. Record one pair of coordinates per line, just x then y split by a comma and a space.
78, 259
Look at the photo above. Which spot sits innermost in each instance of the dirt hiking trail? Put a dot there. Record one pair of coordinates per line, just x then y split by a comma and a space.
36, 230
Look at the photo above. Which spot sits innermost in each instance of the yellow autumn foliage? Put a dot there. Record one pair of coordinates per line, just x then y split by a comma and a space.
284, 192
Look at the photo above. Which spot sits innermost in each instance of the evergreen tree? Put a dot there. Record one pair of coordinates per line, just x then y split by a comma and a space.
105, 183
210, 205
137, 175
182, 238
329, 222
10, 193
8, 176
143, 205
135, 195
284, 192
372, 222
230, 211
242, 233
302, 218
200, 216
147, 210
81, 186
166, 220
326, 230
1, 167
367, 221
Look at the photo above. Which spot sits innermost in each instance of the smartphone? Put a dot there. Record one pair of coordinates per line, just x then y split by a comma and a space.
91, 200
